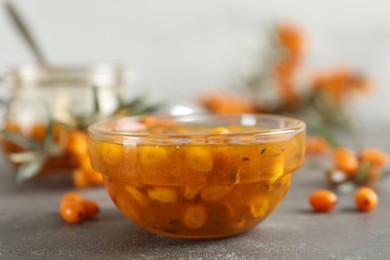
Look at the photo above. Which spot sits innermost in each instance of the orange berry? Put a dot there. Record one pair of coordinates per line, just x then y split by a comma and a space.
149, 121
72, 212
220, 130
291, 38
70, 208
220, 102
71, 196
375, 157
323, 200
90, 207
77, 143
181, 131
316, 145
85, 162
346, 161
80, 179
95, 178
152, 121
366, 199
39, 132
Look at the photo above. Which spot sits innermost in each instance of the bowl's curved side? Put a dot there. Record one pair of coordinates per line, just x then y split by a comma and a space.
198, 186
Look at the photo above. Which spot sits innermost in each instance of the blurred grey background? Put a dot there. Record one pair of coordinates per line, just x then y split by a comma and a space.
180, 48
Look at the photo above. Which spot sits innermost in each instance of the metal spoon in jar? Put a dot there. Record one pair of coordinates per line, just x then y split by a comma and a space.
26, 34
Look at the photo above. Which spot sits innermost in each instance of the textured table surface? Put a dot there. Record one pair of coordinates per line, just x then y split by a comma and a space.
30, 228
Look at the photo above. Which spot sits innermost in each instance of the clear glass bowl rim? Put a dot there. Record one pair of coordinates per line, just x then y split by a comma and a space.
291, 126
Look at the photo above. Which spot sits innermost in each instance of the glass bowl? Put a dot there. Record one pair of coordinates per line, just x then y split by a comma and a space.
198, 176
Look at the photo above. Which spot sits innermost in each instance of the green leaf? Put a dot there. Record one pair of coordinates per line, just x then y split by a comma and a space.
21, 141
22, 157
146, 109
363, 174
31, 169
49, 143
66, 125
134, 104
95, 95
324, 133
137, 106
49, 133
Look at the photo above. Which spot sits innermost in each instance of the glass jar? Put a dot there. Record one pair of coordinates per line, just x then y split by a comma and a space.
40, 105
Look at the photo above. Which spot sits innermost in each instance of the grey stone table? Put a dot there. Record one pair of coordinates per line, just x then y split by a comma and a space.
30, 228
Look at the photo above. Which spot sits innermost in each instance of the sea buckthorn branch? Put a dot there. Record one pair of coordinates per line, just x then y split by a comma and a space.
34, 154
357, 169
279, 86
322, 99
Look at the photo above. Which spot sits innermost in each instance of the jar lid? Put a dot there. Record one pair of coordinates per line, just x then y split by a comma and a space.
33, 76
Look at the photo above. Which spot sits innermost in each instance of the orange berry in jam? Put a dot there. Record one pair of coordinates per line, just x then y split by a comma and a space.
200, 178
220, 130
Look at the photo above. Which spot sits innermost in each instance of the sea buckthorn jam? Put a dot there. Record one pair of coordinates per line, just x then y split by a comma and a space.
36, 133
197, 182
